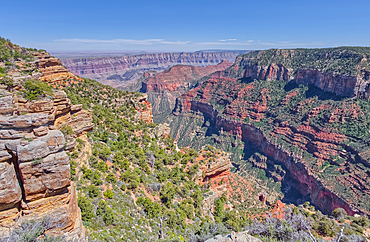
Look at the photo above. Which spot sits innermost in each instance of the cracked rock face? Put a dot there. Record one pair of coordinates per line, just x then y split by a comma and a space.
34, 167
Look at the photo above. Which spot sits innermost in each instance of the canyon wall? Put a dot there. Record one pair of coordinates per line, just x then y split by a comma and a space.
344, 71
308, 183
163, 88
35, 166
342, 85
35, 134
122, 71
314, 135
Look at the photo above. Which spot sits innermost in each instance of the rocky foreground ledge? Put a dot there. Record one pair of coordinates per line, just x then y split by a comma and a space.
35, 170
35, 134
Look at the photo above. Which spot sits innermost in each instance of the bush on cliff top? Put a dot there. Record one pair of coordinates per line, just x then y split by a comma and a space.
36, 89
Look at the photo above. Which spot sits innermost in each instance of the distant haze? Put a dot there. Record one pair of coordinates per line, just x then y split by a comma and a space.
117, 53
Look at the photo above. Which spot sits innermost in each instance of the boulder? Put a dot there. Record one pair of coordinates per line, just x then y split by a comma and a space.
10, 191
6, 104
24, 121
41, 178
42, 146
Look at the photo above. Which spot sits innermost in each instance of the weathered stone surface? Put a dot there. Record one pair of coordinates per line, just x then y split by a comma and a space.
143, 108
75, 108
42, 146
35, 172
62, 209
24, 121
40, 131
10, 191
234, 237
52, 70
339, 84
221, 164
41, 178
59, 95
13, 133
80, 121
43, 105
4, 155
71, 144
8, 218
163, 130
12, 144
6, 104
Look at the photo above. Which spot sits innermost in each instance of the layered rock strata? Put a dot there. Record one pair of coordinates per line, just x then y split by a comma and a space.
34, 136
213, 172
163, 88
308, 182
35, 178
318, 67
229, 103
122, 71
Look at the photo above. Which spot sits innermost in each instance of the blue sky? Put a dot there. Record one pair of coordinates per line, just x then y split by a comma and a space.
187, 25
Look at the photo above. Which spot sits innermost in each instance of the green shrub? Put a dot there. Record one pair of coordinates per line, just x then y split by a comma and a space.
339, 213
88, 174
93, 191
96, 179
36, 89
111, 178
87, 209
108, 194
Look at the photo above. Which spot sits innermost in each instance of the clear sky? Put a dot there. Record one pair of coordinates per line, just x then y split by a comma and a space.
187, 25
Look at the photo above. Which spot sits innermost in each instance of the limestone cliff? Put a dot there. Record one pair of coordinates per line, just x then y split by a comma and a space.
122, 71
344, 71
35, 179
36, 171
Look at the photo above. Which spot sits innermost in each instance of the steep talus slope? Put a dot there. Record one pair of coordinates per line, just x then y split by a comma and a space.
299, 113
122, 71
163, 88
35, 180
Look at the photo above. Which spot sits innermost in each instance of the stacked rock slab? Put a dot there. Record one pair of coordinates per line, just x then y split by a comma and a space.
34, 166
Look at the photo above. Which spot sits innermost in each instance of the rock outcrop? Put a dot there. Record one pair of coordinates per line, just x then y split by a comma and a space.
35, 174
272, 72
234, 237
140, 103
122, 71
214, 172
51, 68
342, 85
34, 136
143, 108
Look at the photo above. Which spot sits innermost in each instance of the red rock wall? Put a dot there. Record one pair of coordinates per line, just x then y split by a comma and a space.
307, 182
342, 85
270, 73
